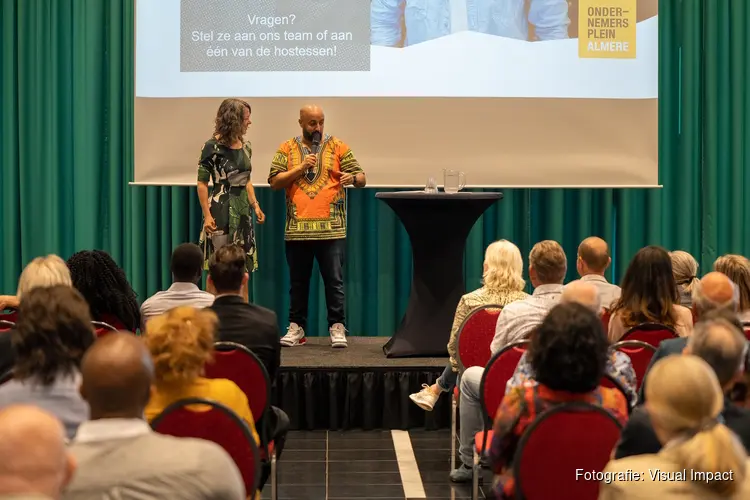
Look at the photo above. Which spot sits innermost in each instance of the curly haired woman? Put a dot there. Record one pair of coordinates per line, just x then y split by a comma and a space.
104, 286
226, 161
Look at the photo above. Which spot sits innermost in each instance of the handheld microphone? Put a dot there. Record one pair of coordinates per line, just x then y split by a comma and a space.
316, 136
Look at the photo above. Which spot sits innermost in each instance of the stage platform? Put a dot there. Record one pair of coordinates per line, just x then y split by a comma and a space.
356, 388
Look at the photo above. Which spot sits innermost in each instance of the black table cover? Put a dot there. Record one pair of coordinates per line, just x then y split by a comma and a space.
438, 225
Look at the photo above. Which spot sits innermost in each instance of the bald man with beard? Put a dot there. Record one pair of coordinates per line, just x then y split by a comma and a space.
33, 461
593, 261
117, 453
313, 168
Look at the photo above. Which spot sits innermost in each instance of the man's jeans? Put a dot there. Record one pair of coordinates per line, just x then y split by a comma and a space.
470, 406
330, 257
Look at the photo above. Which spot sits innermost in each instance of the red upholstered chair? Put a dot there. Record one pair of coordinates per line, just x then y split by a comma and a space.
9, 315
473, 349
606, 315
640, 354
240, 365
101, 328
746, 329
6, 325
218, 424
492, 389
650, 333
557, 444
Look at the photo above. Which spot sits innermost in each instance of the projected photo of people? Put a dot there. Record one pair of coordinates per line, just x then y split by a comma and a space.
402, 23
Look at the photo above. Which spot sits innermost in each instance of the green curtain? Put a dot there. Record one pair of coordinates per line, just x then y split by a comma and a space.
66, 157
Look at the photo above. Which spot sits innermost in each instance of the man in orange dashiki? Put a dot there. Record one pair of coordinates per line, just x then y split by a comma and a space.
314, 168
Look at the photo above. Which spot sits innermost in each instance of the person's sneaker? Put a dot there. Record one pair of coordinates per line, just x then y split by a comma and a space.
338, 335
462, 474
294, 336
425, 398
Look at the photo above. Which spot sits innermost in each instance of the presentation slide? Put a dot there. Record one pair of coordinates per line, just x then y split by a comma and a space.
513, 92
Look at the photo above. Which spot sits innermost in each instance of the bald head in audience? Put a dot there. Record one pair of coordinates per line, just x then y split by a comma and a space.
722, 345
593, 256
33, 458
715, 292
117, 376
582, 293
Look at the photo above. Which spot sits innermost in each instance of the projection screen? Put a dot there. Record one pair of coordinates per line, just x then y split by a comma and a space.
515, 93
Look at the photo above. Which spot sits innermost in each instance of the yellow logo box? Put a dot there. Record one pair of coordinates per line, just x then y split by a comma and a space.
607, 29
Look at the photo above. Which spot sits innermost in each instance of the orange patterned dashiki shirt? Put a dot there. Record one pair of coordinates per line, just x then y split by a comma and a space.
316, 202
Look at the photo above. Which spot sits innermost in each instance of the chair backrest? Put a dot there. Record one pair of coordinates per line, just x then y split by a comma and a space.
606, 315
218, 424
496, 375
101, 328
240, 365
582, 436
6, 325
9, 315
640, 354
746, 330
650, 333
475, 336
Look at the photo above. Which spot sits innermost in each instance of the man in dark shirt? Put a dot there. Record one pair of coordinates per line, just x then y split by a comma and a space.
722, 345
249, 325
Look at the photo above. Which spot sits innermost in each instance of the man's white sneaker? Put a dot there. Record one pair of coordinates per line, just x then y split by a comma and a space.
338, 335
425, 398
294, 336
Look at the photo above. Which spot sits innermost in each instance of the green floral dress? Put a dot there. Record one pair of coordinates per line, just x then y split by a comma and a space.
229, 169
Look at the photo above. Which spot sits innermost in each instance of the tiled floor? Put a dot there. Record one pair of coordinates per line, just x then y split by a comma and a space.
355, 464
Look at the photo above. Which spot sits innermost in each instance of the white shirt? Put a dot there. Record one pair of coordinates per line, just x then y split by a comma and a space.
608, 292
179, 294
518, 319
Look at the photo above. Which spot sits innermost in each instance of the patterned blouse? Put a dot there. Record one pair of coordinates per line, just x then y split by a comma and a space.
521, 407
480, 297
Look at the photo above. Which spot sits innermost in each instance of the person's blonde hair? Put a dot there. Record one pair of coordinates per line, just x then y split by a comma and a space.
684, 270
737, 269
43, 272
549, 261
181, 342
684, 398
504, 266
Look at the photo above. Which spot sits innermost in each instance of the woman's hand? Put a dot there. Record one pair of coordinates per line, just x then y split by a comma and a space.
209, 225
259, 214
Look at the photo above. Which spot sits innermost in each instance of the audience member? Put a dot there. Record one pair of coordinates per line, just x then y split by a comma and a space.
568, 353
547, 265
619, 367
502, 284
117, 453
649, 295
52, 334
685, 272
593, 261
737, 268
104, 286
701, 458
547, 268
187, 269
715, 297
723, 347
33, 461
249, 325
181, 341
40, 272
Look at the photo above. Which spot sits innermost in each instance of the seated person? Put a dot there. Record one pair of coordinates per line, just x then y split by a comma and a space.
723, 347
181, 341
684, 403
53, 332
547, 266
649, 295
502, 283
685, 272
106, 289
619, 367
34, 463
593, 261
737, 268
187, 270
249, 325
42, 271
568, 353
117, 453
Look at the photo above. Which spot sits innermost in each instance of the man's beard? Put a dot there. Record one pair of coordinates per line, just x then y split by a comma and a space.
307, 135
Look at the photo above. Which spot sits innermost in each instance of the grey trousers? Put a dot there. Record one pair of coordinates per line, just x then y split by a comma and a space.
470, 408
